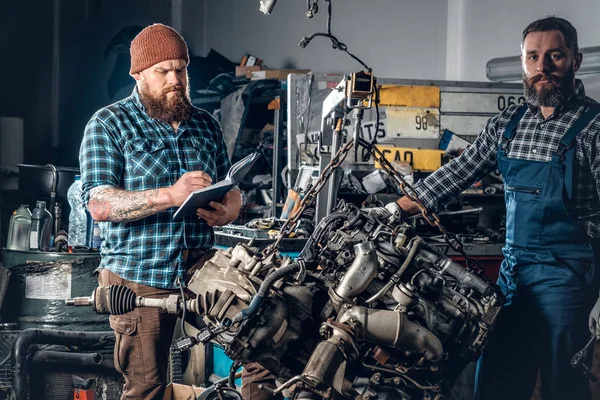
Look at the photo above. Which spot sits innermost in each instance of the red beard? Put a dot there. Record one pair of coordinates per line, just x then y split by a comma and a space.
166, 107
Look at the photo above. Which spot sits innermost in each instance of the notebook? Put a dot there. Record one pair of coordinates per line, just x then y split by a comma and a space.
202, 197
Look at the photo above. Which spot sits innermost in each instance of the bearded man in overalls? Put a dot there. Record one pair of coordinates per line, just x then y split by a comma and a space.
548, 152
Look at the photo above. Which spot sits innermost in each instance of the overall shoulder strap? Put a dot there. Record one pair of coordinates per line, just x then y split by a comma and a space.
566, 148
511, 128
568, 139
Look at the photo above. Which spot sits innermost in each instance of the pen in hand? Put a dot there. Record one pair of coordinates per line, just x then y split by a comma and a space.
183, 170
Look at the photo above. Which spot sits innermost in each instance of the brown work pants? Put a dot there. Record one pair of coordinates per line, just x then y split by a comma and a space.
143, 340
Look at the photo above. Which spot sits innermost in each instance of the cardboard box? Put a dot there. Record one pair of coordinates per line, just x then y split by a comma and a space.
249, 60
245, 71
280, 74
176, 391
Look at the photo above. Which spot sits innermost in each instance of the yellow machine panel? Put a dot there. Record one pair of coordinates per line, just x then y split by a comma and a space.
426, 160
409, 96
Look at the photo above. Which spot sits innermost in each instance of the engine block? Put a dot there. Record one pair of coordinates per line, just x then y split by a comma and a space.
368, 308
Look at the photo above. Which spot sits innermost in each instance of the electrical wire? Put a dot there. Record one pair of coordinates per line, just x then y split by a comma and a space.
335, 43
180, 284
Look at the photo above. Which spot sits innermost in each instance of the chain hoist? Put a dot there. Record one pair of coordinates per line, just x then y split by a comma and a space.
309, 197
429, 216
432, 218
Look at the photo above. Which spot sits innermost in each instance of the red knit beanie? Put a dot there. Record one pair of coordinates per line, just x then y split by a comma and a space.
156, 43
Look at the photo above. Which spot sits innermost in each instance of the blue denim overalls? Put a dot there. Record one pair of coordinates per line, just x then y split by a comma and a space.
547, 277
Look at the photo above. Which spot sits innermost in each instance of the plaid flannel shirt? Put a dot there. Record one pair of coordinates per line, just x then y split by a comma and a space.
536, 139
123, 147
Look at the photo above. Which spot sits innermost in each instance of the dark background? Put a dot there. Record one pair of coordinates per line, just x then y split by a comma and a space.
86, 27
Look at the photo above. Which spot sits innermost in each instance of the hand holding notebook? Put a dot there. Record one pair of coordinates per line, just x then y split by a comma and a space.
202, 197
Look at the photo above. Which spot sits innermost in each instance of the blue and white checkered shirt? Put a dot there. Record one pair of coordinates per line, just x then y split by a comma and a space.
123, 147
536, 139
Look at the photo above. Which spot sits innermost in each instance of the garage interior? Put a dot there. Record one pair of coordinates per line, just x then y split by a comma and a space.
329, 110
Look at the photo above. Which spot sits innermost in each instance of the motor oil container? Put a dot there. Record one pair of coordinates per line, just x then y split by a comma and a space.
41, 228
19, 228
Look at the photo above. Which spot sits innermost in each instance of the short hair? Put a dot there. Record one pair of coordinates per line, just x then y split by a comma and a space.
552, 23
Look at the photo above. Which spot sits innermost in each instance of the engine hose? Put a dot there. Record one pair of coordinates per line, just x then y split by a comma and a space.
232, 372
394, 278
324, 226
354, 220
258, 299
34, 336
324, 363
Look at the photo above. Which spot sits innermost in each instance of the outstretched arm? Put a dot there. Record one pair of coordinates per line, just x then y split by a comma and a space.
449, 181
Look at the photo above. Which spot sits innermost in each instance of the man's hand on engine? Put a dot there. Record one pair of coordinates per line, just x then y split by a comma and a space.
593, 319
395, 209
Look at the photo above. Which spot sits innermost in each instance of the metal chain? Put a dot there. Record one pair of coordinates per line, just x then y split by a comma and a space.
429, 216
309, 197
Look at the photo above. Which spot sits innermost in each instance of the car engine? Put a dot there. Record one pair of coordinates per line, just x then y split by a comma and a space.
368, 310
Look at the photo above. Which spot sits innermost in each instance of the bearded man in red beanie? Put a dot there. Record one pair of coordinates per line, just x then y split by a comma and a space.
132, 157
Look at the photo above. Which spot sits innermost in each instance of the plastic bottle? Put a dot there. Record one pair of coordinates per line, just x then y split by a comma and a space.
77, 218
41, 227
19, 228
94, 240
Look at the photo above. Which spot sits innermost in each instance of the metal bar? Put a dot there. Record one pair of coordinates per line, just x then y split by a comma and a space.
276, 158
335, 176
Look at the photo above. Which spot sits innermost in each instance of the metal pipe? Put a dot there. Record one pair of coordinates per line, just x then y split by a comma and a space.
334, 181
452, 213
276, 157
445, 265
360, 274
34, 336
54, 171
71, 358
392, 328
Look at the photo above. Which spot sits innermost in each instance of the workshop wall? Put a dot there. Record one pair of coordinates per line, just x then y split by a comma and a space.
452, 39
26, 68
430, 39
488, 29
192, 24
397, 39
87, 28
26, 42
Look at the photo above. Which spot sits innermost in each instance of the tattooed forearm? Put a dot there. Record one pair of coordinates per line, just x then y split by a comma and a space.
118, 205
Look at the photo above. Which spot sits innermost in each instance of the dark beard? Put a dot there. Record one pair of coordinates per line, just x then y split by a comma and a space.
178, 108
553, 95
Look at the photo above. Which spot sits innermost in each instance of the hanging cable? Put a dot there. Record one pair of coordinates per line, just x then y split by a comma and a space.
181, 284
335, 43
367, 155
